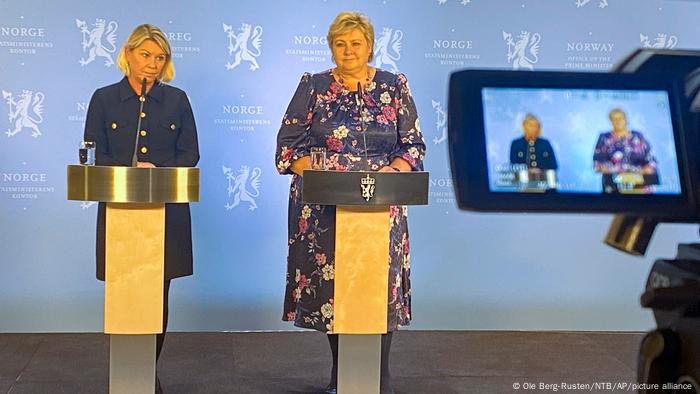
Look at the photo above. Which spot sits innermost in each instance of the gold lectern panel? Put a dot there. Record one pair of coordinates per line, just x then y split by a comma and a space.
134, 257
133, 184
361, 270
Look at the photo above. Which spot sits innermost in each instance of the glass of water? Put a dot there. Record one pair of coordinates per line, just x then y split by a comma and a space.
318, 158
86, 153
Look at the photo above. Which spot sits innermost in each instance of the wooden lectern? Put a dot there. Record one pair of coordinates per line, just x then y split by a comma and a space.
134, 257
362, 225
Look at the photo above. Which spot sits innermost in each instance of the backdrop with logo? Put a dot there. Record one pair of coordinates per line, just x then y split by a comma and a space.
240, 62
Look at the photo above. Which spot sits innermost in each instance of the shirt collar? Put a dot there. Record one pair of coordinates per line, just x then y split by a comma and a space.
126, 92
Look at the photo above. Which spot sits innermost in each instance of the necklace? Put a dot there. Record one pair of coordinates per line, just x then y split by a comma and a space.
341, 81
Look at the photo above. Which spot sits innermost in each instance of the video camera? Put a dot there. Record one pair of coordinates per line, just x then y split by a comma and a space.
624, 142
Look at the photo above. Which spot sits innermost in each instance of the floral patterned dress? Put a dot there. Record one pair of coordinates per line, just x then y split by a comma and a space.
324, 113
629, 154
615, 155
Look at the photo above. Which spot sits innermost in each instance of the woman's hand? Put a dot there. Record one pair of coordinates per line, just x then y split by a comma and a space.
397, 165
145, 164
648, 170
299, 165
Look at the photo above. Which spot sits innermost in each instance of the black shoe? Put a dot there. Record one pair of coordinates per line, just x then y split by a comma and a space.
331, 389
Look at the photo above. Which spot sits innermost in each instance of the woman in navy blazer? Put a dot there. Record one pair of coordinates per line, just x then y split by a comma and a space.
167, 138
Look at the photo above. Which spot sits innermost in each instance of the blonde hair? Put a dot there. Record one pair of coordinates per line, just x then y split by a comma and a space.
347, 21
140, 34
616, 111
530, 117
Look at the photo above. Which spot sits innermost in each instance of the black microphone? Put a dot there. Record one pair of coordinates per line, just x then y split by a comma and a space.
142, 99
360, 99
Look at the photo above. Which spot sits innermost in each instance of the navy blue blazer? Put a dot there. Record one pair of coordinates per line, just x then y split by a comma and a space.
168, 138
536, 154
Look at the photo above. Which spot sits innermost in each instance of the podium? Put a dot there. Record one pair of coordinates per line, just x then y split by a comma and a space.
362, 225
134, 259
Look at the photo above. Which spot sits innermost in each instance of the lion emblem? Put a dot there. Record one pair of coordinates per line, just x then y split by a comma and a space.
92, 40
87, 204
25, 112
523, 52
462, 2
238, 186
441, 123
238, 45
601, 3
662, 41
388, 48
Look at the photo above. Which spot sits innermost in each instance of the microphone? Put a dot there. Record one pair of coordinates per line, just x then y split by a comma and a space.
360, 99
142, 99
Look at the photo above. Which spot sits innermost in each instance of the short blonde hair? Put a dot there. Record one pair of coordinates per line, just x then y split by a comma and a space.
140, 34
347, 21
616, 111
529, 116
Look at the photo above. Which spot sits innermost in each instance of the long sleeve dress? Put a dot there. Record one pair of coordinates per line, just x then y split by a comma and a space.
324, 113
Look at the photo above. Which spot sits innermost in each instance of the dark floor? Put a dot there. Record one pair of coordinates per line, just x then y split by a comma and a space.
296, 362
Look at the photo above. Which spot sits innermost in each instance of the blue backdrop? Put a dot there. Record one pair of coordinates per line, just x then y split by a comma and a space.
470, 271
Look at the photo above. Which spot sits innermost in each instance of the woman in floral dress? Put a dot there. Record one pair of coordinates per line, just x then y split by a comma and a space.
327, 110
624, 158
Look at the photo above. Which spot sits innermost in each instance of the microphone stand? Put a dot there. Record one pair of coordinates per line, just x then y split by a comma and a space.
361, 105
142, 99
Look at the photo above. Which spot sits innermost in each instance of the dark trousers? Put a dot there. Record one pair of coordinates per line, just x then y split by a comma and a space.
160, 338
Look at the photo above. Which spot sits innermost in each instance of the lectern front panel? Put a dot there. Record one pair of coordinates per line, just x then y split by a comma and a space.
134, 255
361, 270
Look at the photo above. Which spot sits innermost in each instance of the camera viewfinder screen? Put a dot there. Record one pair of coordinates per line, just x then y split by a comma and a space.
543, 140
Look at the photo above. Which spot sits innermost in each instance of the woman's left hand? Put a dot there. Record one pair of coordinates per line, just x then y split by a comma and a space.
388, 169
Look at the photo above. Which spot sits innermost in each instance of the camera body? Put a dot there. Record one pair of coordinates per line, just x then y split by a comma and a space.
623, 142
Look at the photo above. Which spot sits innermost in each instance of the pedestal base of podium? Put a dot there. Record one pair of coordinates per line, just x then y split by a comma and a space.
359, 363
132, 364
